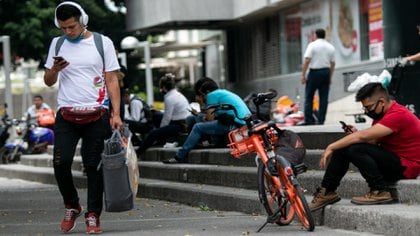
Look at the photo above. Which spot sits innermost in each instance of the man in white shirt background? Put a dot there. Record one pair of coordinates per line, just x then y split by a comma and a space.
319, 58
135, 117
38, 104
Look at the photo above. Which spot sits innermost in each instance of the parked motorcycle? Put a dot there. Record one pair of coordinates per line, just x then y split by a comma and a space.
30, 139
4, 127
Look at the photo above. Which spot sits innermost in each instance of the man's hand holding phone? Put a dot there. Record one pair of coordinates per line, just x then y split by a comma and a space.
59, 63
347, 128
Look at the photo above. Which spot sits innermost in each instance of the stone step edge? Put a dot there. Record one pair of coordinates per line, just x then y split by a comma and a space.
148, 186
352, 183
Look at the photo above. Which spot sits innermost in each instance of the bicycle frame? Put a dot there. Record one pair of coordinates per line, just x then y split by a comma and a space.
260, 138
245, 140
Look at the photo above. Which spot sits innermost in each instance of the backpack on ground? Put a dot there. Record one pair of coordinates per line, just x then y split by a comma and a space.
147, 111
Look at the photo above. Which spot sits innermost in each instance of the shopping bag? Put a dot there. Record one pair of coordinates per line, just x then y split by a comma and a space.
117, 166
132, 163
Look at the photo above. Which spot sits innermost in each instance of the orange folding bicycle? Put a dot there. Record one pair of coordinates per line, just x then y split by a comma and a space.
278, 188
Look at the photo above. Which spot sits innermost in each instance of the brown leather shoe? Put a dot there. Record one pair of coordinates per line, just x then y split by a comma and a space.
323, 198
373, 197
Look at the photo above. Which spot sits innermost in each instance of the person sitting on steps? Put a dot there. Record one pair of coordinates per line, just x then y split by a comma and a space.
136, 116
174, 115
217, 123
385, 152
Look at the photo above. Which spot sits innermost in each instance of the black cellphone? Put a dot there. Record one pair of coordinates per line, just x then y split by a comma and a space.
343, 124
58, 58
345, 127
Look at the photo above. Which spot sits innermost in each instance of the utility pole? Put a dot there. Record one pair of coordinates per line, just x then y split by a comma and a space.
5, 39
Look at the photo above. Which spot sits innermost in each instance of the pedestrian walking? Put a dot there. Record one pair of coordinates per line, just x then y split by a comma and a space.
319, 58
85, 64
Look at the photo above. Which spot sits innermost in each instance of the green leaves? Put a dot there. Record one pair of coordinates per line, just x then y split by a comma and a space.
30, 24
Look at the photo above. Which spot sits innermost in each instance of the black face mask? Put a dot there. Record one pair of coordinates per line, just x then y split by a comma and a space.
375, 116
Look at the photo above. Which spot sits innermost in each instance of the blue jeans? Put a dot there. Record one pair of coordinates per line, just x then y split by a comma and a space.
200, 129
317, 80
67, 135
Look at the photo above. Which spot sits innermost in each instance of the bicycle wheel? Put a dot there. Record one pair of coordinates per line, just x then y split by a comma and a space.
298, 201
271, 198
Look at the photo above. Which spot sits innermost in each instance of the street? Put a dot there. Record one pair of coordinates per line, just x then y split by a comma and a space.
30, 208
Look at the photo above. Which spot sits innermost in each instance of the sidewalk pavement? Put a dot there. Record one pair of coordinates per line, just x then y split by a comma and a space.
30, 208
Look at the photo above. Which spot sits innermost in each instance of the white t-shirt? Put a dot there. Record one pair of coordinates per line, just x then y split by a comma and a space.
82, 82
135, 113
31, 112
321, 53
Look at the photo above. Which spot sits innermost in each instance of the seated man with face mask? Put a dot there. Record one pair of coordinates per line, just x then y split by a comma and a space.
385, 152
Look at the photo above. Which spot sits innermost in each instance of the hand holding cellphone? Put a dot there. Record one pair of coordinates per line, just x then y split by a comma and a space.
345, 127
58, 58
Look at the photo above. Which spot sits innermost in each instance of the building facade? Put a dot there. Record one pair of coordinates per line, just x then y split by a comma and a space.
264, 40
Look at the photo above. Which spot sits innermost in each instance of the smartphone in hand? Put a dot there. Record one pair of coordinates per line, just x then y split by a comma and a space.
58, 58
345, 127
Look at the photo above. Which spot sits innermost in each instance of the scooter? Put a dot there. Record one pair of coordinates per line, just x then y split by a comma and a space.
30, 139
4, 128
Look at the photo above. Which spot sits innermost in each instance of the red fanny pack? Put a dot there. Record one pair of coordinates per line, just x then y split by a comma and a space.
82, 115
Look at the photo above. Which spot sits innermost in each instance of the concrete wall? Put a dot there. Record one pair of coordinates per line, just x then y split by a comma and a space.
142, 14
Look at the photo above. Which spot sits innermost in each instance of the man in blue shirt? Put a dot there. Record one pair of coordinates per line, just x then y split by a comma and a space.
214, 124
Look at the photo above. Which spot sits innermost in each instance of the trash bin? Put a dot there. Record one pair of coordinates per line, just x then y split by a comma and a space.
405, 86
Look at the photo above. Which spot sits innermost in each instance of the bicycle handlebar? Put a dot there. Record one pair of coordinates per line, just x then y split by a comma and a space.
261, 98
248, 119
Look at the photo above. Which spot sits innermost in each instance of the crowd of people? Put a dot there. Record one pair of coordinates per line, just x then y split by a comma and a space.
91, 103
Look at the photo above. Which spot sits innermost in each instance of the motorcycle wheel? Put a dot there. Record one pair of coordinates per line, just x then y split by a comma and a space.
6, 156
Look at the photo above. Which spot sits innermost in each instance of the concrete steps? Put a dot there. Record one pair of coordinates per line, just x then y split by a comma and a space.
215, 179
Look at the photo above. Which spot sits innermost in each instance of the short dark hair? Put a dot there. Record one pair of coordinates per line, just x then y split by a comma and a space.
167, 81
67, 11
199, 83
207, 87
38, 96
370, 90
320, 33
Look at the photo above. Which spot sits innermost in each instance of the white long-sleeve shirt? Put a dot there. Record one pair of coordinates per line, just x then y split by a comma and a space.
176, 107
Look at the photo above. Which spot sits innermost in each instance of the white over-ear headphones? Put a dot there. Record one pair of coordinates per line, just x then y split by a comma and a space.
84, 18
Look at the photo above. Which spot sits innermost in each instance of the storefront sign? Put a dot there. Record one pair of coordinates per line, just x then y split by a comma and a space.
376, 48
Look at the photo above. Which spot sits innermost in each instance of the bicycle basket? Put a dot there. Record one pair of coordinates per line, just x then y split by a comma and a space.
238, 142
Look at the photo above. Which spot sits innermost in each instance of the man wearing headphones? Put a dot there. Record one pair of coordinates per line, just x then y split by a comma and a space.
173, 120
87, 84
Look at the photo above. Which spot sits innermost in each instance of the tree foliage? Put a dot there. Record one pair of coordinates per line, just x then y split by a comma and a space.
30, 24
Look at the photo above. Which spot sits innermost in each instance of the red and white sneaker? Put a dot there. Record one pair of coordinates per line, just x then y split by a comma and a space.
70, 216
92, 224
